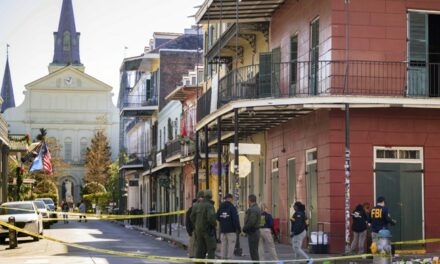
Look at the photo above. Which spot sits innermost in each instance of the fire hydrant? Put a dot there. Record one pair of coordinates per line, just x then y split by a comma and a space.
382, 248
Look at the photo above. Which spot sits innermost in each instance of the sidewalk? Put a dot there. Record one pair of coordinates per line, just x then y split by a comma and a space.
180, 237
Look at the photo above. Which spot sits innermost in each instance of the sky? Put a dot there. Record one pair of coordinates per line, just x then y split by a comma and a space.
106, 27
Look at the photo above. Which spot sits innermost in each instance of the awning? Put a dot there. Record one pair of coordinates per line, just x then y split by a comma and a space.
226, 10
181, 93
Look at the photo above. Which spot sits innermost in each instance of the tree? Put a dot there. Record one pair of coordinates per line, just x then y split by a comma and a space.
98, 160
113, 183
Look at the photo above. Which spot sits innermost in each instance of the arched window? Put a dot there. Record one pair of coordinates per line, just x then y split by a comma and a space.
68, 149
66, 41
83, 149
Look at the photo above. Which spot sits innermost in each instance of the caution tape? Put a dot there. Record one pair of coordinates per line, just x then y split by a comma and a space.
416, 242
169, 258
99, 216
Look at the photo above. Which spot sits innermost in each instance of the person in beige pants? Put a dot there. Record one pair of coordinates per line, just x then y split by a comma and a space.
266, 238
227, 215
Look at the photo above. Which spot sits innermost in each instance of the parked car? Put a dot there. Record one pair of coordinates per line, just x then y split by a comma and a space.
52, 208
26, 217
44, 210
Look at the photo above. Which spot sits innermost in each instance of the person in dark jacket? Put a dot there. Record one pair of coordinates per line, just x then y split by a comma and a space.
252, 225
359, 228
298, 229
190, 229
65, 208
227, 216
380, 218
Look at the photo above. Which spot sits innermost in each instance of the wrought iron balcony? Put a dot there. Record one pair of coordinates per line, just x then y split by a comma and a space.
136, 161
325, 78
139, 105
173, 149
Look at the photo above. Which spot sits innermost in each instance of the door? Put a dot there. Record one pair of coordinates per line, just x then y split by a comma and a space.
291, 188
265, 75
275, 188
417, 54
314, 56
312, 189
401, 183
276, 67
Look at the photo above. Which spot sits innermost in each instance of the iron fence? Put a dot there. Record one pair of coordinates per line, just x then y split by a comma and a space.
139, 101
325, 78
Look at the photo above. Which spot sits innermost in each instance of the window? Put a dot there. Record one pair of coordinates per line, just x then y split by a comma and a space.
398, 153
175, 128
66, 41
68, 149
83, 149
423, 54
312, 156
275, 165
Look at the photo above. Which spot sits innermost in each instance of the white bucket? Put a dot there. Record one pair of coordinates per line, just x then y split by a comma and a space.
318, 238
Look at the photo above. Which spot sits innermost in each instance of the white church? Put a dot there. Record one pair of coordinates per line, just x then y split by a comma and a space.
70, 104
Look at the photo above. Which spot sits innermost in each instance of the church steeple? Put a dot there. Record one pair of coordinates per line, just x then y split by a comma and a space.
66, 50
7, 92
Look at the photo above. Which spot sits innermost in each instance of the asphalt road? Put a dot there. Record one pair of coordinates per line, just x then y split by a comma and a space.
99, 234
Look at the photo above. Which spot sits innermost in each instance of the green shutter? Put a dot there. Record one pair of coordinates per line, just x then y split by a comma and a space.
275, 194
293, 64
276, 67
314, 57
418, 54
265, 75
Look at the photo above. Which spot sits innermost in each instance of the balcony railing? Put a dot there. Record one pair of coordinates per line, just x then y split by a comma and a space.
137, 159
204, 105
139, 101
325, 78
173, 148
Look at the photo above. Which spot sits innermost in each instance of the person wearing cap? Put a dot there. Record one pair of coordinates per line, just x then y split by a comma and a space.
380, 218
204, 219
227, 216
266, 237
190, 229
252, 226
298, 229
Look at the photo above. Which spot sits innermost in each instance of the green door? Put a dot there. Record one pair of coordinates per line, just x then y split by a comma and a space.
312, 196
265, 75
401, 185
291, 191
275, 194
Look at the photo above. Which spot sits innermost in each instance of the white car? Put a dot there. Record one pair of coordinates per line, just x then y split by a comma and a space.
44, 211
26, 217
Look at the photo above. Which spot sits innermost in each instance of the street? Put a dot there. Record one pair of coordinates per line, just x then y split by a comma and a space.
100, 234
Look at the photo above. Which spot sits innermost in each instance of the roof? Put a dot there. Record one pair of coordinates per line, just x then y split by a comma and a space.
226, 10
66, 49
182, 92
183, 42
7, 91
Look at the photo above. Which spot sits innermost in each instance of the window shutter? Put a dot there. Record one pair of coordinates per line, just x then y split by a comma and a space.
418, 37
276, 62
417, 54
265, 74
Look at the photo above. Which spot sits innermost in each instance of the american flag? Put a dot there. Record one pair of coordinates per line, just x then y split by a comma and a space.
47, 164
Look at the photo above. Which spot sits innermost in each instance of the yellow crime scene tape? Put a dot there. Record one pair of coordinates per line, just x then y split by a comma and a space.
98, 216
173, 259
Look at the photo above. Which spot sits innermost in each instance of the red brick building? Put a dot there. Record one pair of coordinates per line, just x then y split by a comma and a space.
379, 57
